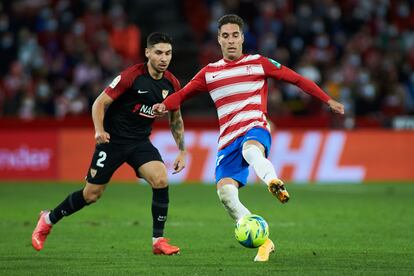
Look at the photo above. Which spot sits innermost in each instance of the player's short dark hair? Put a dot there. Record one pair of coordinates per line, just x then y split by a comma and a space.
155, 38
231, 19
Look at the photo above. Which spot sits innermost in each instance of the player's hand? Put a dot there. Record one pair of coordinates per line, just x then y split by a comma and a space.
102, 137
179, 163
336, 107
159, 109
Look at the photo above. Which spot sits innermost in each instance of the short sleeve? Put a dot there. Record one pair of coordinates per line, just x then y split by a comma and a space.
121, 83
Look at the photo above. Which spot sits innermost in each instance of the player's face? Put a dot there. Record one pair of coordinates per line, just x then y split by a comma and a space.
159, 56
231, 41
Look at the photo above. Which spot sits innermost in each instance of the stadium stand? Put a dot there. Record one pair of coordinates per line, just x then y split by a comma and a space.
56, 56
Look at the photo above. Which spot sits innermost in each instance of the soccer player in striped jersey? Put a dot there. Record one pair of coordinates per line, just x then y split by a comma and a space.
238, 86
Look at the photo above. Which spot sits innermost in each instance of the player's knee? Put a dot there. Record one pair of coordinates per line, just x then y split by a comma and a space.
251, 153
159, 181
92, 195
225, 193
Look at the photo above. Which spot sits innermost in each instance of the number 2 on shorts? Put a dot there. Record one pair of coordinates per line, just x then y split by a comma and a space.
102, 158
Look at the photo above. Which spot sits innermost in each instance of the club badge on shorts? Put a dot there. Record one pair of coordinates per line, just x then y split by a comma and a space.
164, 93
93, 172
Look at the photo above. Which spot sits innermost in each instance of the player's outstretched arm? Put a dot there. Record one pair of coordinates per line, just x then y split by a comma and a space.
275, 70
177, 130
98, 112
172, 102
159, 109
336, 107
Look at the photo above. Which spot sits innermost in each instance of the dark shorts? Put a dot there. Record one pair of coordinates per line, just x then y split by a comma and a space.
107, 158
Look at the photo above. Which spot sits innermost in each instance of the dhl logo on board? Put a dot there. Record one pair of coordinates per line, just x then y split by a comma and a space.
299, 156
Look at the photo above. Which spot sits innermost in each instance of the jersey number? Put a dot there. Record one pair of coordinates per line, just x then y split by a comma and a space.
102, 158
219, 160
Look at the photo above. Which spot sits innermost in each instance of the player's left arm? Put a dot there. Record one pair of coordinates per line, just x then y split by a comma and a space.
177, 130
196, 86
277, 71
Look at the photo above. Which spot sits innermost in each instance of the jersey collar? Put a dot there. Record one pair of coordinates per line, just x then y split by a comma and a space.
236, 60
146, 71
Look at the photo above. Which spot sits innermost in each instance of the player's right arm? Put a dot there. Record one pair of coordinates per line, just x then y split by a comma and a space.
196, 86
101, 103
118, 86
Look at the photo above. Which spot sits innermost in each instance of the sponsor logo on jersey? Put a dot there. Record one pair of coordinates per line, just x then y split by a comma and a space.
142, 91
275, 63
164, 93
115, 82
144, 110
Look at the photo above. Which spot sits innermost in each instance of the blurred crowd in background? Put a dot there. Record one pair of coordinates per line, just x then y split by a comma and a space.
56, 56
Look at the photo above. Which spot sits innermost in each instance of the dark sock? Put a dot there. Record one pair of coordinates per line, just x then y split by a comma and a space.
159, 210
73, 203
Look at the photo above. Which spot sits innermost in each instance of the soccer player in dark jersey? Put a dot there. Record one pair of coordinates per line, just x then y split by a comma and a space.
238, 86
122, 116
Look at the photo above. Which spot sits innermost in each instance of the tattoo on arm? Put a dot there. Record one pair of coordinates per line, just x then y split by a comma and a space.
177, 128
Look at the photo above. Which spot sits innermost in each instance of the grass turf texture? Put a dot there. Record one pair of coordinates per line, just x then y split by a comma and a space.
323, 230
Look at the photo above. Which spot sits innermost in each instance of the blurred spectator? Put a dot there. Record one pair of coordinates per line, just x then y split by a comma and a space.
56, 56
360, 52
125, 38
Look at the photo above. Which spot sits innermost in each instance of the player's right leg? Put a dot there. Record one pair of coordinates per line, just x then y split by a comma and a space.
71, 204
264, 251
231, 173
105, 161
228, 193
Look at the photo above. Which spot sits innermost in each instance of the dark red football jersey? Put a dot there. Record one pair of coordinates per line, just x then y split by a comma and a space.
129, 118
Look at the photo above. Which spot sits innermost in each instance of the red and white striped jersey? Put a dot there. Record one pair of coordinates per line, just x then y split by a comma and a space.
239, 91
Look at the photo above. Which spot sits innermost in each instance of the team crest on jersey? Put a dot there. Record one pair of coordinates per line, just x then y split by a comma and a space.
164, 93
93, 172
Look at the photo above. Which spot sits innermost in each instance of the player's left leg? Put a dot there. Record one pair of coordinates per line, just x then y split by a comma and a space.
155, 173
254, 154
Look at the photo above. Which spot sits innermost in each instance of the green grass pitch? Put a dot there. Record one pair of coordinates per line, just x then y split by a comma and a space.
323, 230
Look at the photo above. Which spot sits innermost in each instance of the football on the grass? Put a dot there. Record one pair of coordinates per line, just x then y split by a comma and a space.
251, 231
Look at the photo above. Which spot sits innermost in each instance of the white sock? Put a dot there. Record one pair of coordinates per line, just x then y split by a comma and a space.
154, 240
262, 166
229, 197
47, 219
